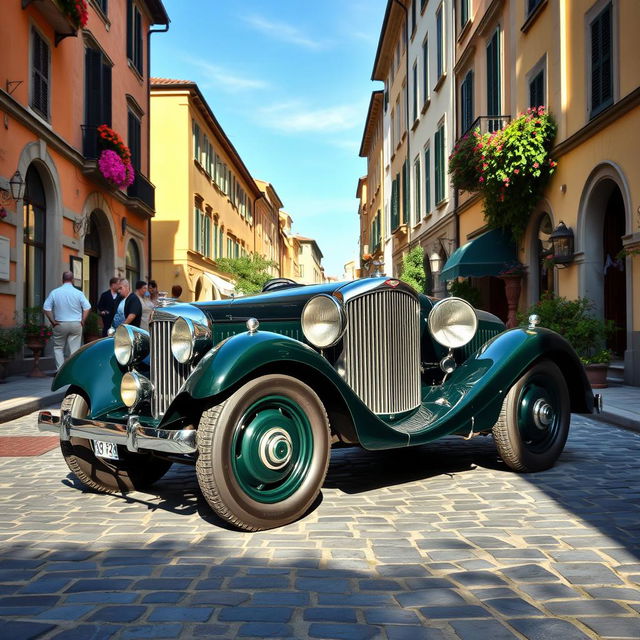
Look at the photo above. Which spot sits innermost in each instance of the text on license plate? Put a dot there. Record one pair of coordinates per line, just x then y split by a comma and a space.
105, 449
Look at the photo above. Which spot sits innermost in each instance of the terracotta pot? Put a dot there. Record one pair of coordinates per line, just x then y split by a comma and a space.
597, 375
512, 288
36, 344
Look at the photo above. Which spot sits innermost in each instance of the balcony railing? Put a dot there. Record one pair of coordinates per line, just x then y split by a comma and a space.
143, 190
488, 124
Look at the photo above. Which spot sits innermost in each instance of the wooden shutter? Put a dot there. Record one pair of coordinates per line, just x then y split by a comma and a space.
92, 82
405, 192
39, 74
425, 71
130, 29
493, 75
417, 188
196, 214
137, 42
207, 236
395, 221
105, 91
427, 180
133, 139
601, 61
439, 44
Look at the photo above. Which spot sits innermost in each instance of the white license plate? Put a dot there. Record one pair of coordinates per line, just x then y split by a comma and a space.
105, 449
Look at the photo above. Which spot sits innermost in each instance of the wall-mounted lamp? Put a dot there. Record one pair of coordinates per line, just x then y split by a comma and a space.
16, 189
562, 240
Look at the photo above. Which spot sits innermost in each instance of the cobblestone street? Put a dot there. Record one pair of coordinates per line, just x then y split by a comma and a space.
435, 542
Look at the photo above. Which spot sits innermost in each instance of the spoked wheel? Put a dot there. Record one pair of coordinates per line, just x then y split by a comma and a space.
264, 453
132, 472
534, 420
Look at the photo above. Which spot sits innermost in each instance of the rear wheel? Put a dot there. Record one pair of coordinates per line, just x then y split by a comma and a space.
534, 420
263, 453
133, 472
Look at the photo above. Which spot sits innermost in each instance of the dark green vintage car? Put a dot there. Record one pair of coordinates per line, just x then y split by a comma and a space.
255, 391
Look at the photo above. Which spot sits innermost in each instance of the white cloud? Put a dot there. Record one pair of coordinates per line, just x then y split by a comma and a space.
225, 79
283, 32
295, 117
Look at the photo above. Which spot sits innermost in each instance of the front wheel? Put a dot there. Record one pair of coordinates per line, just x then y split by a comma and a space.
132, 472
534, 420
264, 453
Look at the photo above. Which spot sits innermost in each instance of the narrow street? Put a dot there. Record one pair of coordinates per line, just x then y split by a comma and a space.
435, 542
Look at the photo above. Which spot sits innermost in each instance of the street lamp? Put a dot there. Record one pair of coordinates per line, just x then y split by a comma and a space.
562, 240
16, 187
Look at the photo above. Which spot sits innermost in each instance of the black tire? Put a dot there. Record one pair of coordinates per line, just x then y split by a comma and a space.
133, 472
274, 415
533, 426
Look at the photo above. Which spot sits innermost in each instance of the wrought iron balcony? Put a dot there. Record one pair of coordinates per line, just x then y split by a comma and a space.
143, 190
487, 124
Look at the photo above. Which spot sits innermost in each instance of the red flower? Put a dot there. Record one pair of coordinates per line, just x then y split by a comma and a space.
535, 165
516, 171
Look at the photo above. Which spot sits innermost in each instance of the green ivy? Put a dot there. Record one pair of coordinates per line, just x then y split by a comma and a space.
413, 269
509, 168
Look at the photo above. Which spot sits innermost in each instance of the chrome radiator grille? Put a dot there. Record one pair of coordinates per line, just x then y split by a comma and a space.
167, 374
382, 350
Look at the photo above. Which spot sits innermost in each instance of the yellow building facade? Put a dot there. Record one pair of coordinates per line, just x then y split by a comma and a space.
205, 195
309, 261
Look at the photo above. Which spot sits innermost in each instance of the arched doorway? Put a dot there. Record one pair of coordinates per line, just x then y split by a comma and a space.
615, 293
132, 263
34, 245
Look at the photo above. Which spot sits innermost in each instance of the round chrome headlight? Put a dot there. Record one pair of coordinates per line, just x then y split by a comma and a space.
189, 339
453, 322
323, 321
134, 389
130, 344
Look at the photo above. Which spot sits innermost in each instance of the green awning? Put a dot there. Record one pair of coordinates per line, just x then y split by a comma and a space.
486, 255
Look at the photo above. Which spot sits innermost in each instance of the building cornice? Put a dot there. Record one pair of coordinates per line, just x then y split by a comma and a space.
393, 19
375, 105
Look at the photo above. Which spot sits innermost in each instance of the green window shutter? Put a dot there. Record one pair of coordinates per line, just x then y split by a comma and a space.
464, 12
439, 44
439, 164
427, 181
196, 233
395, 220
425, 71
536, 90
196, 141
39, 74
207, 236
493, 77
405, 192
415, 90
417, 188
466, 103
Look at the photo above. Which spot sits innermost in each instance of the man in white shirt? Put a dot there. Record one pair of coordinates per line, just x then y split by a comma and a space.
67, 308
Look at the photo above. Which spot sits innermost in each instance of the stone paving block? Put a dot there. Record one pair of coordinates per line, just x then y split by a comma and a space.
164, 597
477, 578
259, 582
529, 573
615, 593
454, 612
513, 607
256, 614
577, 608
208, 630
323, 585
477, 629
330, 614
291, 598
402, 570
390, 616
65, 612
45, 585
429, 583
29, 601
161, 584
587, 573
539, 629
111, 584
222, 598
265, 630
134, 571
410, 632
102, 598
87, 632
152, 631
343, 631
118, 614
356, 599
431, 597
180, 614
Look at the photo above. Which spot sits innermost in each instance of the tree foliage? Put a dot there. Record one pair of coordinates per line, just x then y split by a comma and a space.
250, 272
413, 269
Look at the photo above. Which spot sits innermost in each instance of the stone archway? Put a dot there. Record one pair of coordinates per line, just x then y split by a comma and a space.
604, 218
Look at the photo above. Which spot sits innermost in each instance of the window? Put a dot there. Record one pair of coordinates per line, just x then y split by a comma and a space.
415, 92
39, 74
439, 44
133, 138
202, 234
493, 75
395, 218
531, 5
103, 5
195, 129
439, 164
417, 188
393, 131
134, 36
301, 270
97, 88
132, 263
466, 102
405, 192
464, 13
425, 71
601, 61
34, 246
413, 15
536, 90
427, 181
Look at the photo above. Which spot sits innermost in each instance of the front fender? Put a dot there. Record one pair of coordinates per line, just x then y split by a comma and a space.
95, 370
471, 399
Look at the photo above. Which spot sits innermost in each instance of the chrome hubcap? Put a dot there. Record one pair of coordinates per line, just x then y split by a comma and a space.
542, 414
276, 448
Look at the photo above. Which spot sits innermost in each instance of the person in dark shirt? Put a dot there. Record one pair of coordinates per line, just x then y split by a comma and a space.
108, 304
130, 308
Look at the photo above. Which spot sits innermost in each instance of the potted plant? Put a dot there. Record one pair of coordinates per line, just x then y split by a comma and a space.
91, 329
10, 342
36, 333
115, 158
587, 334
76, 11
511, 275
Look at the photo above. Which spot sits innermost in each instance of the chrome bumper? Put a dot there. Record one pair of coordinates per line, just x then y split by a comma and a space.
132, 435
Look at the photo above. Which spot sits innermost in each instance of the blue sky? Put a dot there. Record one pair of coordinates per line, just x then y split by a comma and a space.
289, 81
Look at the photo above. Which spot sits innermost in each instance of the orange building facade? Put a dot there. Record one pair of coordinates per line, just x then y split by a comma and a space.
59, 82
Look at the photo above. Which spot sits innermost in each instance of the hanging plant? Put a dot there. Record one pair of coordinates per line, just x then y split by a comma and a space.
121, 174
110, 139
76, 11
509, 168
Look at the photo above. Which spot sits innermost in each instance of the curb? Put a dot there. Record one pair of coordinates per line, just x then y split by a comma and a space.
24, 408
617, 420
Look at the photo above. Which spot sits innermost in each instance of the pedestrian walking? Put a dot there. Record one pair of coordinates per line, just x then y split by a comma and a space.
147, 306
108, 304
129, 310
66, 308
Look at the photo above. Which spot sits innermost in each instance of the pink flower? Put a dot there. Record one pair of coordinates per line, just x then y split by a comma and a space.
116, 171
516, 171
481, 179
535, 165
